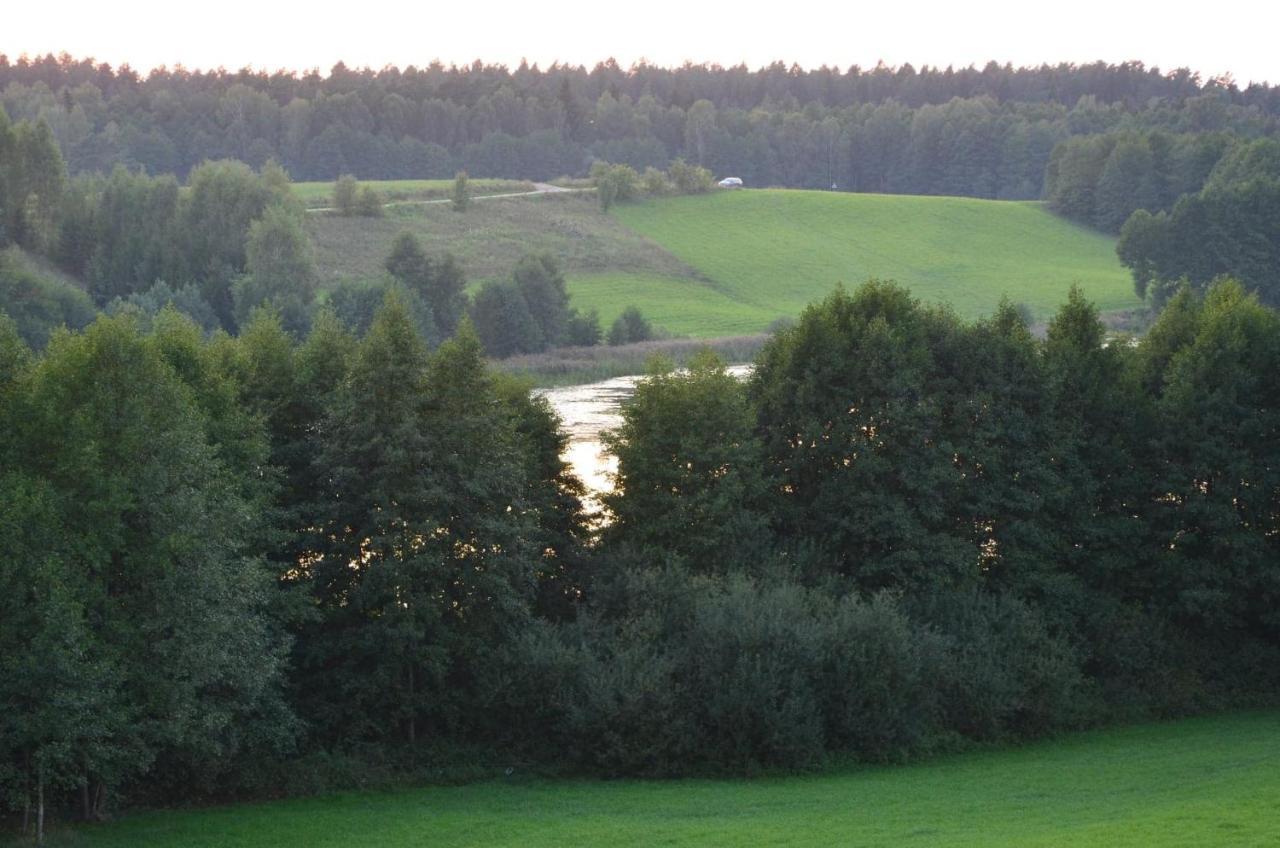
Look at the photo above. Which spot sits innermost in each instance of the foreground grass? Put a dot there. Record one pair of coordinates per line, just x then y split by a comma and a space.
769, 253
1199, 782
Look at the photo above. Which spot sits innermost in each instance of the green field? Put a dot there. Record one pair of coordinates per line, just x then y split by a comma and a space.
768, 253
731, 263
1199, 782
318, 194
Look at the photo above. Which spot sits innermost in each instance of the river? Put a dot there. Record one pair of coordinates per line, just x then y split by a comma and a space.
588, 410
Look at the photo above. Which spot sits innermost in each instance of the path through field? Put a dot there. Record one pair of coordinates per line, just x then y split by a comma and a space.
538, 188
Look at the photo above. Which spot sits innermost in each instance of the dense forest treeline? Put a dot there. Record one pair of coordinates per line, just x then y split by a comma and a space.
1099, 142
234, 239
231, 241
263, 564
984, 132
1187, 207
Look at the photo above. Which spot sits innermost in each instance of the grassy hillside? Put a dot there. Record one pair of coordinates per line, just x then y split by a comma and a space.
730, 263
491, 236
1200, 782
770, 252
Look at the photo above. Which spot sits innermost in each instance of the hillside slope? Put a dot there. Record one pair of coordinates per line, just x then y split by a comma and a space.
491, 237
768, 253
730, 263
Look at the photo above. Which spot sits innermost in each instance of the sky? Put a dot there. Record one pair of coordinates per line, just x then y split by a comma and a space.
1213, 39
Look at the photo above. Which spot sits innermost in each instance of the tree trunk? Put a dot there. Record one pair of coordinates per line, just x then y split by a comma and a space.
99, 799
40, 807
26, 795
413, 729
93, 799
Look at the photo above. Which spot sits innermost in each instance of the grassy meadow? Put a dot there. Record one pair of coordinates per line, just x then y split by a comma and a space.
730, 263
772, 252
1197, 782
491, 237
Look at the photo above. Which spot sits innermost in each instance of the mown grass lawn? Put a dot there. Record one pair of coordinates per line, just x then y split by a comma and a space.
684, 306
1198, 782
771, 252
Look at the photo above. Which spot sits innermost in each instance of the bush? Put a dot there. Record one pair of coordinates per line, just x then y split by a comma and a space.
751, 667
1005, 674
878, 686
654, 182
346, 195
690, 179
370, 203
665, 673
584, 328
1144, 665
614, 183
630, 327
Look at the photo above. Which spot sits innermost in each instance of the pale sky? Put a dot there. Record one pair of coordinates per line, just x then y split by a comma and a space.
1231, 37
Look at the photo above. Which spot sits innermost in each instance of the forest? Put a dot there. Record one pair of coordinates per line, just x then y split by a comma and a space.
232, 240
260, 544
1189, 165
985, 132
268, 564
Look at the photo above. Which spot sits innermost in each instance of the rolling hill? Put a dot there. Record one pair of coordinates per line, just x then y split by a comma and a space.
730, 263
768, 253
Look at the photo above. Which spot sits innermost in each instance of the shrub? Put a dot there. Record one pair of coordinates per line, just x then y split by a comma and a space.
461, 198
630, 327
878, 681
654, 182
369, 203
666, 673
584, 328
750, 668
1004, 673
614, 183
346, 195
690, 179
